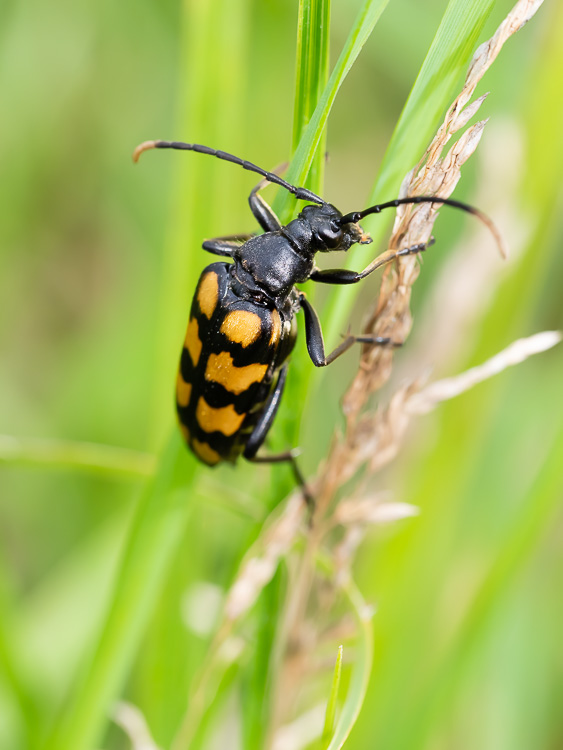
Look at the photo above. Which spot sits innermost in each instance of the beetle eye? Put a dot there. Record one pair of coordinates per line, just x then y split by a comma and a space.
331, 234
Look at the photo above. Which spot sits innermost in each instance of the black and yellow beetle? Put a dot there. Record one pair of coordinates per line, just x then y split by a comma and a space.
242, 324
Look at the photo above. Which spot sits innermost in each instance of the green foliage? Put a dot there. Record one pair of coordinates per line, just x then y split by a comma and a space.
102, 560
312, 69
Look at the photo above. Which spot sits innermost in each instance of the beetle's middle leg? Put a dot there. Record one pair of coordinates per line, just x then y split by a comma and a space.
260, 432
315, 341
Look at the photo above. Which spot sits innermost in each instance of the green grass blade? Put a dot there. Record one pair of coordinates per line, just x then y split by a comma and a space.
433, 91
442, 70
312, 67
361, 670
330, 716
106, 460
156, 530
211, 83
311, 137
258, 681
14, 676
364, 24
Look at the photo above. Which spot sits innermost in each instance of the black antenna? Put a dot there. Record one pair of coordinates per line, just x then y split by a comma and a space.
355, 216
299, 192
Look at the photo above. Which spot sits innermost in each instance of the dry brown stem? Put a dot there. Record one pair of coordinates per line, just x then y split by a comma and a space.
436, 174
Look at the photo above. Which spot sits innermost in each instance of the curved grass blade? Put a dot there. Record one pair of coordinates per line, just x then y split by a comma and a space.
364, 24
332, 700
363, 658
308, 146
444, 65
156, 530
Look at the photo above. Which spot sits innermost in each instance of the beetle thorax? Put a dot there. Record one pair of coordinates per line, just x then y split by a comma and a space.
273, 263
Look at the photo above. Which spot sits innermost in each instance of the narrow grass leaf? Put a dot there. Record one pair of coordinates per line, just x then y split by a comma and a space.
106, 460
364, 24
258, 680
157, 527
445, 63
211, 82
309, 142
361, 669
311, 77
15, 677
330, 716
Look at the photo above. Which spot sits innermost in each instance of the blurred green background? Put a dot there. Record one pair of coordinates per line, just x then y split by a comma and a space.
96, 289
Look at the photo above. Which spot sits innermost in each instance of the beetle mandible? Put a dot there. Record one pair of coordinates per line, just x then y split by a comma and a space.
242, 324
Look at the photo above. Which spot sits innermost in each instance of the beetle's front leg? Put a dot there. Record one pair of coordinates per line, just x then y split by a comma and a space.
263, 213
315, 341
344, 276
261, 210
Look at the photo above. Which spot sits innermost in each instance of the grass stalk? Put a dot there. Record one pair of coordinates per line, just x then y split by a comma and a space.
332, 704
104, 460
312, 68
360, 32
157, 528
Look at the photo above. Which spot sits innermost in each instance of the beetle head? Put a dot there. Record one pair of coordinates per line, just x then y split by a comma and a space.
328, 231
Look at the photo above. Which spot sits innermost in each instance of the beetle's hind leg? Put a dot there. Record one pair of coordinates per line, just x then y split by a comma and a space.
260, 432
291, 458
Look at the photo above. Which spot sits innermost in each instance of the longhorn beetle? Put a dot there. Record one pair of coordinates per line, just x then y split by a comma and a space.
242, 324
